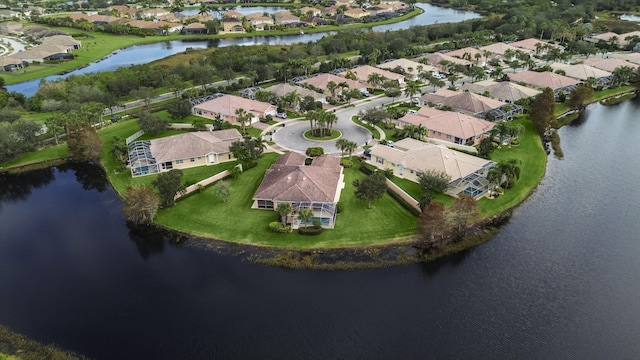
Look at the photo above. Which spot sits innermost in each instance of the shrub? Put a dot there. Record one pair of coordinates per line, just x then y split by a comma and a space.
339, 207
346, 163
367, 168
403, 203
277, 227
315, 151
310, 231
317, 224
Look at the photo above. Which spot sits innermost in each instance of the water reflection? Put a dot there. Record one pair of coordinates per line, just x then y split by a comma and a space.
18, 187
90, 176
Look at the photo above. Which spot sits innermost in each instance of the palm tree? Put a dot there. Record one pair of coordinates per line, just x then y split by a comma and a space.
305, 215
621, 75
242, 117
412, 89
283, 210
332, 86
341, 144
375, 80
514, 131
495, 177
510, 169
350, 148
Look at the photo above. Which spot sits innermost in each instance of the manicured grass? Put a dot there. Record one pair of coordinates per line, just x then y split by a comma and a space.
206, 215
533, 162
50, 153
334, 135
163, 134
374, 132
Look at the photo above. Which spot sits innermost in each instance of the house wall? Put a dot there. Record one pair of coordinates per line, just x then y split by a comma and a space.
398, 170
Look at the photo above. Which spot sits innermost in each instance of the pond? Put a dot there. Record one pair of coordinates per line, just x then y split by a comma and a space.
561, 280
143, 54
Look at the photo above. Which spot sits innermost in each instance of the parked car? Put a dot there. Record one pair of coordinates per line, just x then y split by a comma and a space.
282, 115
365, 93
415, 101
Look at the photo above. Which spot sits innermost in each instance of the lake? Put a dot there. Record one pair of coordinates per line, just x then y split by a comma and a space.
561, 280
143, 54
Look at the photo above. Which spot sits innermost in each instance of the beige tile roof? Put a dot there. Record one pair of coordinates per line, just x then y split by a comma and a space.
468, 50
322, 80
465, 101
608, 64
503, 90
607, 36
530, 44
543, 79
289, 180
227, 105
580, 71
435, 59
450, 123
405, 64
631, 57
232, 14
419, 156
60, 40
7, 60
500, 48
193, 144
362, 73
283, 89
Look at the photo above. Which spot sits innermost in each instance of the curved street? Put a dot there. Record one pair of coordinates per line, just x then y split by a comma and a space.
290, 136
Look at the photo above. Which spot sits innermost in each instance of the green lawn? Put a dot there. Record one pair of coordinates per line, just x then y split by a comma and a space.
533, 162
206, 215
376, 133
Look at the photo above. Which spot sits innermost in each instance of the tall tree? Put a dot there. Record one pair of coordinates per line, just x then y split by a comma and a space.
141, 204
463, 211
284, 209
247, 151
169, 184
305, 215
432, 181
370, 188
152, 123
432, 223
83, 142
542, 111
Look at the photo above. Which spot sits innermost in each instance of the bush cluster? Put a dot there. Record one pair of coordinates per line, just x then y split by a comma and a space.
277, 227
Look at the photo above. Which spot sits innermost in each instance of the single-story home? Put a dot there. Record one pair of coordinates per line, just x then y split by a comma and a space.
225, 107
409, 158
542, 80
608, 64
469, 103
536, 46
582, 71
437, 60
362, 74
505, 91
322, 80
317, 186
286, 18
500, 48
194, 29
181, 151
411, 68
448, 126
62, 40
284, 89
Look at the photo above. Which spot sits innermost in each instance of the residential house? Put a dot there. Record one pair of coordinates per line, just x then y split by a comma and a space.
8, 63
283, 89
608, 64
536, 46
315, 21
357, 13
630, 57
609, 37
441, 61
409, 158
469, 103
582, 72
286, 18
232, 14
362, 74
62, 40
42, 53
330, 10
448, 126
410, 68
181, 151
261, 22
225, 107
231, 25
316, 186
321, 81
194, 29
154, 13
123, 11
505, 91
10, 27
500, 48
541, 80
468, 53
10, 14
309, 11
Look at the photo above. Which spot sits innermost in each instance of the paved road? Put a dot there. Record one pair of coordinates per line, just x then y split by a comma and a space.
291, 137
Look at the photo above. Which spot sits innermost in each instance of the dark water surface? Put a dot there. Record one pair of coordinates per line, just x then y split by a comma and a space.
561, 281
143, 54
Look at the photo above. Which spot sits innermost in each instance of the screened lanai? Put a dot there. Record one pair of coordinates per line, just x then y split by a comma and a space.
141, 161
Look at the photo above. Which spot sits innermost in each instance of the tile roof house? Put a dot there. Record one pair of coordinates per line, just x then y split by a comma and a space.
317, 186
286, 18
581, 71
531, 44
181, 151
542, 80
362, 74
308, 10
468, 53
506, 91
410, 67
357, 13
500, 48
194, 29
261, 22
630, 57
283, 89
231, 25
448, 126
10, 27
467, 102
225, 107
608, 64
63, 40
409, 158
232, 14
8, 63
321, 81
436, 59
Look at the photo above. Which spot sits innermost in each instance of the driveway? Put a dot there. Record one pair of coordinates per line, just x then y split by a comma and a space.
291, 137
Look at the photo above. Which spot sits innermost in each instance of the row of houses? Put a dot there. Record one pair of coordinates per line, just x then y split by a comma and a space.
53, 48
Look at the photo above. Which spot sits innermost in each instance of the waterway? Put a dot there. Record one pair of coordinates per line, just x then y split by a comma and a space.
143, 54
560, 281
